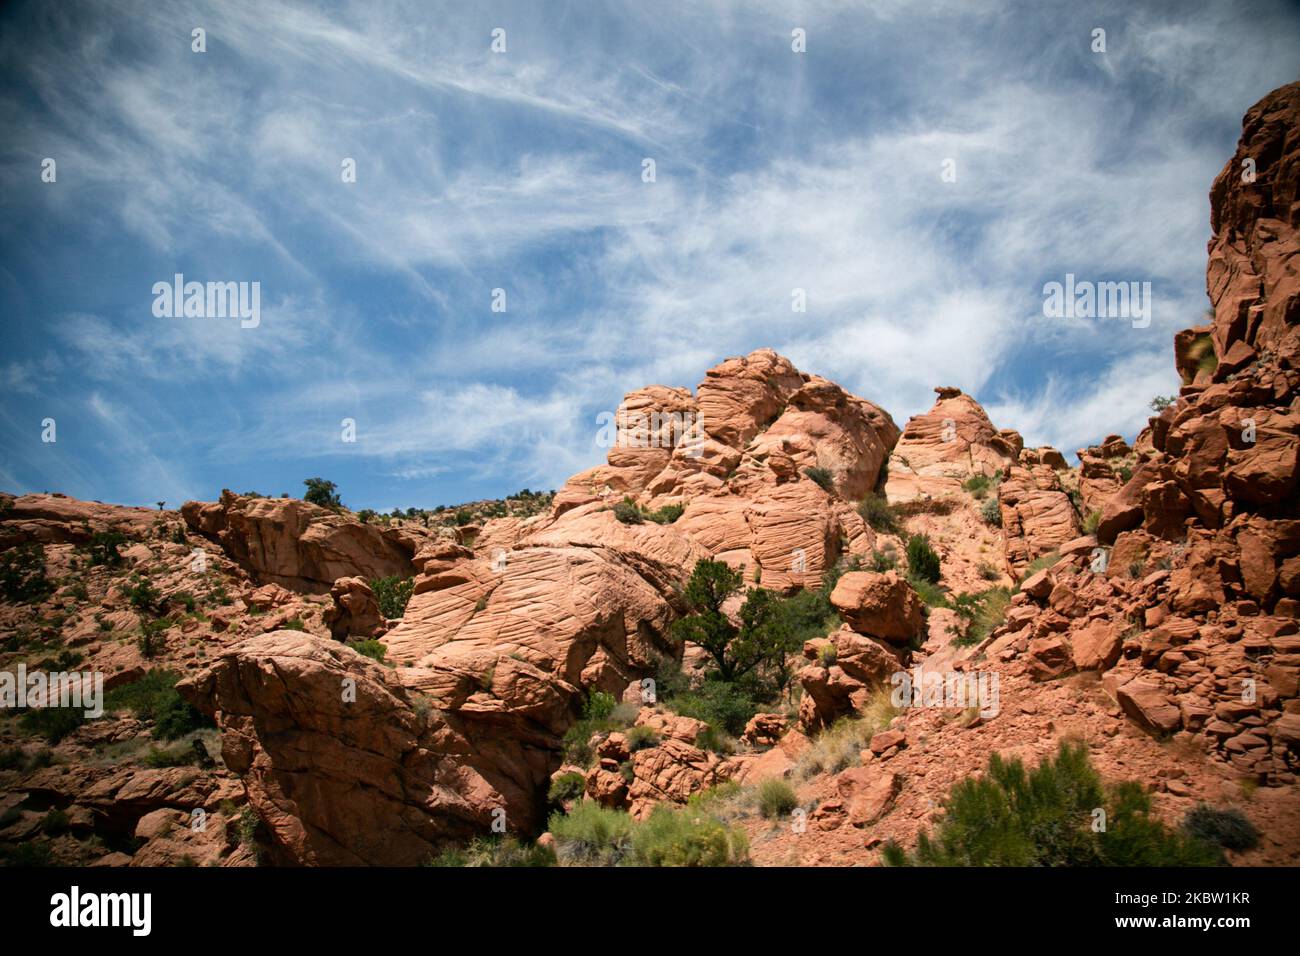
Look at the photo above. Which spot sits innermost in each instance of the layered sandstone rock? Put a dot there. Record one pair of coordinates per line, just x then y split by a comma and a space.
1037, 514
300, 545
947, 445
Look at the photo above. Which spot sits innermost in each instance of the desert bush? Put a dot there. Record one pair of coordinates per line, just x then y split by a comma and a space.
824, 478
1091, 522
567, 786
840, 745
981, 612
776, 798
22, 574
592, 835
322, 492
154, 697
665, 515
369, 647
641, 738
977, 486
628, 512
683, 837
601, 713
495, 851
142, 596
922, 559
103, 548
876, 511
1226, 828
1043, 817
52, 723
991, 512
882, 561
392, 593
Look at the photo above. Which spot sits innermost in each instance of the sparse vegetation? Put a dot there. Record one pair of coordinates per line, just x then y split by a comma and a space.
628, 512
154, 697
322, 492
565, 787
671, 836
981, 613
22, 574
776, 798
823, 477
876, 511
393, 594
991, 512
1225, 828
922, 559
1043, 817
839, 746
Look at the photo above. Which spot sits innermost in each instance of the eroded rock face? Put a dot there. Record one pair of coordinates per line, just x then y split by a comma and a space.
300, 545
879, 605
947, 445
1037, 514
345, 766
355, 611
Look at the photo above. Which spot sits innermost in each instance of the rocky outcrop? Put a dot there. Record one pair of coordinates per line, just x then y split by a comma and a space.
300, 545
57, 518
345, 764
947, 445
354, 612
879, 605
1037, 514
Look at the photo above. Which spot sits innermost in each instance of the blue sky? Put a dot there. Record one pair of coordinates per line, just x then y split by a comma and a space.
522, 170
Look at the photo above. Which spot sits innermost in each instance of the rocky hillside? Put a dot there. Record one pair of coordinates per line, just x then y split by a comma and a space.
714, 619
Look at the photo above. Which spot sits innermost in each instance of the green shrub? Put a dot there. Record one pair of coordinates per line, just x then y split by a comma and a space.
1045, 817
683, 837
496, 851
52, 723
369, 647
294, 624
567, 786
1161, 402
666, 515
824, 478
600, 714
981, 612
882, 561
1226, 828
592, 835
154, 697
977, 486
776, 798
393, 593
1091, 522
876, 511
142, 596
22, 574
103, 548
922, 559
628, 512
991, 512
641, 738
181, 755
719, 704
322, 492
55, 822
